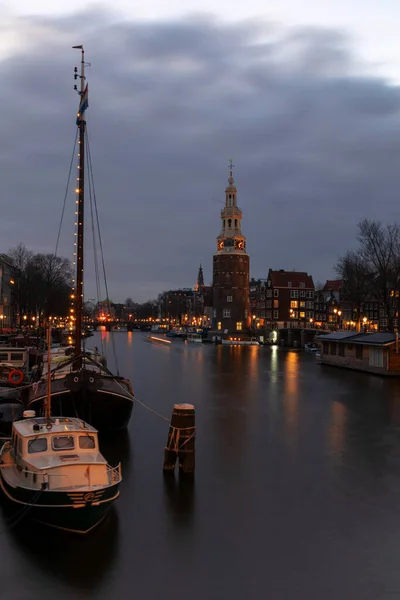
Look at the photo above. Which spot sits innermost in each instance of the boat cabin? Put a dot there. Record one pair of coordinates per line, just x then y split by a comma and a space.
13, 357
371, 352
44, 450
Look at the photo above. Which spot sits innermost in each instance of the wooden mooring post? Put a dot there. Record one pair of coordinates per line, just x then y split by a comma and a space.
181, 440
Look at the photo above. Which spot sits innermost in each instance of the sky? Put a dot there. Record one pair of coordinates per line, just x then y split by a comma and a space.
303, 96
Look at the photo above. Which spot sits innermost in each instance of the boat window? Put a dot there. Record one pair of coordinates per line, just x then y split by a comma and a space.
37, 445
17, 356
3, 356
19, 446
63, 442
87, 442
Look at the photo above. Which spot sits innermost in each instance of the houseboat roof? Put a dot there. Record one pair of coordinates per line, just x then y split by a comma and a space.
370, 339
378, 339
337, 336
59, 425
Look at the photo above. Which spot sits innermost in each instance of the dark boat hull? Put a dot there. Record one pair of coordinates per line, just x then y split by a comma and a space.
103, 401
77, 512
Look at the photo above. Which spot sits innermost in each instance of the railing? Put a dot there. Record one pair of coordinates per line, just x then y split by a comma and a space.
114, 476
115, 473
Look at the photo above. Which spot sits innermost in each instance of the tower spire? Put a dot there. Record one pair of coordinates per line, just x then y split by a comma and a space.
230, 179
200, 279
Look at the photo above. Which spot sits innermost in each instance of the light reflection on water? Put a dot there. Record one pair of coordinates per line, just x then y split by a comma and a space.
296, 488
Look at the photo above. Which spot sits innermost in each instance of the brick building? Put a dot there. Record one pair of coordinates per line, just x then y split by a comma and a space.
289, 299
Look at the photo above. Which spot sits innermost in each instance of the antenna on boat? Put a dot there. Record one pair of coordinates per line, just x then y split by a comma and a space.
81, 123
48, 397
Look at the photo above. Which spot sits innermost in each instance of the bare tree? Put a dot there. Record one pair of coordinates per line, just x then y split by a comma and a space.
380, 253
44, 282
356, 281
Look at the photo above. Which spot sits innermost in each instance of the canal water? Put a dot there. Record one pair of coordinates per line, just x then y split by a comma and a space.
296, 494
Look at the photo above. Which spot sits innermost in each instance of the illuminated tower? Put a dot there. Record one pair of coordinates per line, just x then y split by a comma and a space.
231, 268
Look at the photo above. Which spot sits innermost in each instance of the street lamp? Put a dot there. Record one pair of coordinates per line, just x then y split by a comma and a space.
1, 320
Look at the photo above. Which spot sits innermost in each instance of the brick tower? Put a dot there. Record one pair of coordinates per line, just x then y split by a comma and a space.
231, 267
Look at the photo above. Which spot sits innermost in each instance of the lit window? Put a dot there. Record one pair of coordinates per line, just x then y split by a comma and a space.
239, 326
219, 325
302, 315
294, 304
276, 303
302, 304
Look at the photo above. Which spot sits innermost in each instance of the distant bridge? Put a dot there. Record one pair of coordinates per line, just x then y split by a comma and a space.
109, 325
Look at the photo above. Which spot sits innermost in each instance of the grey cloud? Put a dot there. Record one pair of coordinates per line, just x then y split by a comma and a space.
314, 142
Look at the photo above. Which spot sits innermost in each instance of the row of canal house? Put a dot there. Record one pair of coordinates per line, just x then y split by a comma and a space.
371, 352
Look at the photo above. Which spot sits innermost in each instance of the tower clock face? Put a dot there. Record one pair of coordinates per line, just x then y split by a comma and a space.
241, 245
220, 244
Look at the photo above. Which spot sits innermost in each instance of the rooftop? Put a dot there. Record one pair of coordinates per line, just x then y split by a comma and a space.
59, 425
334, 285
282, 278
373, 339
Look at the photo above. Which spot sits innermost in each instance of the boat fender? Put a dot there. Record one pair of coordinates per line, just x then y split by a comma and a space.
76, 379
15, 377
91, 379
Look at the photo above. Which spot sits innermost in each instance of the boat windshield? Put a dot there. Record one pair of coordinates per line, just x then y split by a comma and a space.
87, 442
37, 445
62, 442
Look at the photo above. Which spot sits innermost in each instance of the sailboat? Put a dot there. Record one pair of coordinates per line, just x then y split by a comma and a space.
81, 385
52, 470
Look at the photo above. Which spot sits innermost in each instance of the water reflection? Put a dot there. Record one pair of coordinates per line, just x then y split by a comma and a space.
179, 497
290, 398
80, 562
337, 429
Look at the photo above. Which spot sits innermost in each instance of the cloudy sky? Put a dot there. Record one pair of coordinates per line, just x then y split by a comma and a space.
305, 98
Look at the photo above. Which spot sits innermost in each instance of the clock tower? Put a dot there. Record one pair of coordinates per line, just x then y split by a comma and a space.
231, 267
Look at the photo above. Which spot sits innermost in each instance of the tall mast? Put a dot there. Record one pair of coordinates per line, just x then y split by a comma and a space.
48, 395
81, 123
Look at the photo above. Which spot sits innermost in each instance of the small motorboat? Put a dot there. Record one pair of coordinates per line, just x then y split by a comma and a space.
52, 467
311, 347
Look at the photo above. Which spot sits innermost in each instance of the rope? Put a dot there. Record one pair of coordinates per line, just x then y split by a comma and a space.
101, 246
95, 258
66, 193
136, 399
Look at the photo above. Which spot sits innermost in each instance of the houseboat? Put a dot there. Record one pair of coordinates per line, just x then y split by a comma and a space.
370, 352
240, 341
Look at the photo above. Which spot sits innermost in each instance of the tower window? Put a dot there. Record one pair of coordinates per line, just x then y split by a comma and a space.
229, 223
236, 223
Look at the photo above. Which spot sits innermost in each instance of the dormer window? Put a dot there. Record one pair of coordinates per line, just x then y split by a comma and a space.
289, 284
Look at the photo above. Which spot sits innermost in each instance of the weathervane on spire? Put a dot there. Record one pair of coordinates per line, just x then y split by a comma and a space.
231, 167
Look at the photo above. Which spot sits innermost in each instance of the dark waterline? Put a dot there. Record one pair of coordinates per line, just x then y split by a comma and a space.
296, 492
